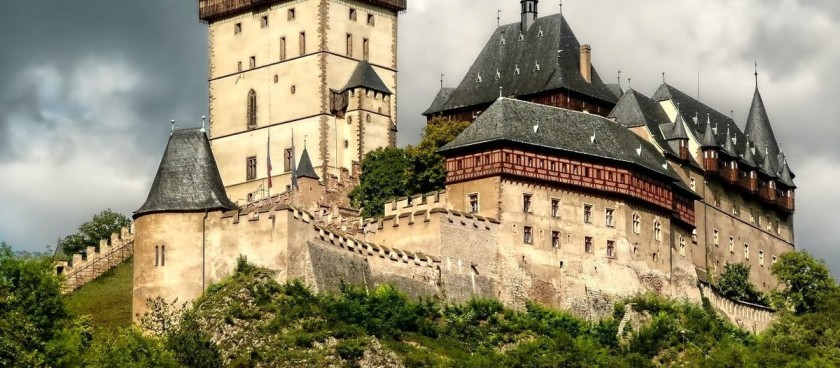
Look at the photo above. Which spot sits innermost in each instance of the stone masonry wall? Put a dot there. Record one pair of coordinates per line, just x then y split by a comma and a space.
86, 268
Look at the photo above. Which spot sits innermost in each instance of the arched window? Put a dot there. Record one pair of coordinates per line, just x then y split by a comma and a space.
251, 114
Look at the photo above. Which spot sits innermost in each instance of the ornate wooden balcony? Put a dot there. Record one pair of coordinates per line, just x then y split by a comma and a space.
211, 10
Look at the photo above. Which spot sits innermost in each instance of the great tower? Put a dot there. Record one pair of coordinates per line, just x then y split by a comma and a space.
319, 73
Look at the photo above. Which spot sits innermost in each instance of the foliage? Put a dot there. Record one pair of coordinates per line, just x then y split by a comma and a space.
90, 233
390, 172
162, 317
806, 282
192, 347
735, 283
383, 173
130, 349
426, 171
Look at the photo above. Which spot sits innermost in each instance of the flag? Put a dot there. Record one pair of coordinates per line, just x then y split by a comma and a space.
268, 158
292, 159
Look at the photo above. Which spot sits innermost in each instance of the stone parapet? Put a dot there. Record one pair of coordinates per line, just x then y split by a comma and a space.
748, 316
83, 268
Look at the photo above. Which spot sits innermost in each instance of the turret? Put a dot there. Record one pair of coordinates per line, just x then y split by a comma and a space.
307, 187
529, 13
710, 148
171, 226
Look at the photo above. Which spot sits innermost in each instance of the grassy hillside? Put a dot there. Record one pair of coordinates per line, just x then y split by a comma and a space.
107, 299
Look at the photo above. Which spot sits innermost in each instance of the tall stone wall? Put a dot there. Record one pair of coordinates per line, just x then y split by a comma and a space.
748, 316
96, 261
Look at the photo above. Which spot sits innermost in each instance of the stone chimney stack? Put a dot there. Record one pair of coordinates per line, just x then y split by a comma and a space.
586, 62
529, 13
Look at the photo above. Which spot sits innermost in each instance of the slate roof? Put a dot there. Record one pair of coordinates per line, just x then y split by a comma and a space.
365, 76
616, 90
786, 176
305, 169
759, 130
440, 100
709, 139
499, 60
187, 179
509, 120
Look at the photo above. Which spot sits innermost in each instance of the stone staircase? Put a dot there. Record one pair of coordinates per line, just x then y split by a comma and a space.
84, 268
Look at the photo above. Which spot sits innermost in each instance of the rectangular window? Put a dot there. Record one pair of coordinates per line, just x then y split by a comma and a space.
682, 246
716, 237
349, 45
251, 168
555, 239
371, 20
761, 258
292, 14
303, 43
162, 255
610, 217
252, 62
587, 214
366, 49
474, 203
157, 256
237, 28
353, 15
587, 244
731, 245
528, 235
610, 249
657, 231
637, 223
264, 22
693, 184
282, 48
287, 160
746, 251
526, 203
239, 66
555, 208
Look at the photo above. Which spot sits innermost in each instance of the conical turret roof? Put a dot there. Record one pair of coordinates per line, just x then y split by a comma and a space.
187, 179
679, 131
759, 130
749, 156
767, 166
729, 145
364, 76
786, 176
305, 168
709, 140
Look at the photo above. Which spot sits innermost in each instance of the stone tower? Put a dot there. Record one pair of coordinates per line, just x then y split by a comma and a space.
316, 71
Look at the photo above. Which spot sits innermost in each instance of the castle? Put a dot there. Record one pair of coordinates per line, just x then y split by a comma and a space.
564, 190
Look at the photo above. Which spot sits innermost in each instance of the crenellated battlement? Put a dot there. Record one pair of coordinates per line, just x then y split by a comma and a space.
83, 268
417, 202
748, 316
372, 250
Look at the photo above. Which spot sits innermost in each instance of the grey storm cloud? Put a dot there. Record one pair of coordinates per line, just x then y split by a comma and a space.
87, 88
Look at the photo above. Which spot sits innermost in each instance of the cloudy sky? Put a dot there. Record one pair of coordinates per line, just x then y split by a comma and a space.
87, 88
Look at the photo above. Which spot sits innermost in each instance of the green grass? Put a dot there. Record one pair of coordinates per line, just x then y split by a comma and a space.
107, 299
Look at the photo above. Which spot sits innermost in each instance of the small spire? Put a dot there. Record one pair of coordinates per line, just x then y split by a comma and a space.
663, 77
756, 74
630, 83
441, 80
173, 125
619, 78
500, 91
499, 18
203, 121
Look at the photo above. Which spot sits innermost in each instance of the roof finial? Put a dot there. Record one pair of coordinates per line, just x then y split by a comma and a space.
561, 7
500, 91
499, 18
663, 77
756, 74
732, 114
629, 82
304, 141
203, 119
619, 78
441, 80
173, 125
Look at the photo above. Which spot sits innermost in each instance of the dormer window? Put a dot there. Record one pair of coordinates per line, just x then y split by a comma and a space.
501, 41
540, 34
478, 78
521, 37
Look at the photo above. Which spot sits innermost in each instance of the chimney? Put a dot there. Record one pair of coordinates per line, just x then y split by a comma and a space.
586, 62
529, 13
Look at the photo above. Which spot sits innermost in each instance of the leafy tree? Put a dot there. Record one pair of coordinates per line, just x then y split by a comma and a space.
100, 227
735, 283
162, 317
805, 282
192, 347
383, 178
426, 170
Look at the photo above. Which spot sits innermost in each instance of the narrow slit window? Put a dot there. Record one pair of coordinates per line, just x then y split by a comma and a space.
349, 45
162, 255
157, 256
303, 43
282, 48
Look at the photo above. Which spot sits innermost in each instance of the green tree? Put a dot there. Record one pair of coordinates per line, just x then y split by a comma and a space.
100, 227
192, 347
130, 349
383, 178
805, 282
735, 283
426, 169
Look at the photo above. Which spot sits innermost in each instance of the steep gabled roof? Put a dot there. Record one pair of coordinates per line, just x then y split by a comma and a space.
759, 130
364, 76
690, 108
188, 179
509, 120
534, 54
305, 168
440, 101
616, 90
678, 130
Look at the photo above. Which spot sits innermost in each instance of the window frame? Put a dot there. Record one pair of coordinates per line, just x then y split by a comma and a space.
527, 202
588, 245
555, 239
528, 235
609, 217
474, 207
250, 168
587, 213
